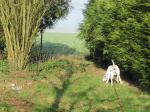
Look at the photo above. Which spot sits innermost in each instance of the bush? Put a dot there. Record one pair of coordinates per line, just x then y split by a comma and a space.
120, 30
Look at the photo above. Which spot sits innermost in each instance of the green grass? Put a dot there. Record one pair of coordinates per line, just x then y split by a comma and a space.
67, 43
68, 84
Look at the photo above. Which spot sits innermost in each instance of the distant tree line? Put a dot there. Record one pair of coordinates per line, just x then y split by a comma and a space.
120, 30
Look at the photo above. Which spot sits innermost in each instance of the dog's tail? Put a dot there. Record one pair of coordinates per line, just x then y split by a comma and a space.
113, 62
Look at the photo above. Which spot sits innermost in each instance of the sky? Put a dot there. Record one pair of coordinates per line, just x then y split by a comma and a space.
72, 21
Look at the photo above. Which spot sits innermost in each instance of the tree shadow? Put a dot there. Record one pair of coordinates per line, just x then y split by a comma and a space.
50, 50
90, 105
78, 97
65, 80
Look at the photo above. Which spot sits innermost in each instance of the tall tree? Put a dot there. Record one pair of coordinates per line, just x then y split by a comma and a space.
142, 12
20, 20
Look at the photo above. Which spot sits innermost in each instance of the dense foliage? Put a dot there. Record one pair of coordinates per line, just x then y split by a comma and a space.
120, 30
56, 9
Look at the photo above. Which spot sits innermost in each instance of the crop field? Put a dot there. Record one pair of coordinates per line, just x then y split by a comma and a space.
66, 83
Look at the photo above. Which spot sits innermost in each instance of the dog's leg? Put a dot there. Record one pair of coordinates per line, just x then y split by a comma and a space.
111, 81
112, 75
107, 80
120, 79
107, 77
118, 76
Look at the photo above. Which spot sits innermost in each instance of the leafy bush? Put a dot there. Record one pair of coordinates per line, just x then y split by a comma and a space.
120, 30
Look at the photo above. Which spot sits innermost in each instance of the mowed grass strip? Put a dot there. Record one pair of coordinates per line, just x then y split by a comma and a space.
68, 84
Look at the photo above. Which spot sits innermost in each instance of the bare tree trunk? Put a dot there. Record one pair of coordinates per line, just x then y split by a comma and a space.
41, 45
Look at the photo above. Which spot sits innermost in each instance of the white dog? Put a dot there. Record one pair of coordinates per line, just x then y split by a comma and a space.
112, 71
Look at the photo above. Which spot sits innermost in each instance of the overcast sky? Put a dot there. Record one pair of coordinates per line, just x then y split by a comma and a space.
71, 23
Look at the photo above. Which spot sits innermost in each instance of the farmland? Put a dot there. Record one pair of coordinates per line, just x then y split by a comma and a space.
64, 43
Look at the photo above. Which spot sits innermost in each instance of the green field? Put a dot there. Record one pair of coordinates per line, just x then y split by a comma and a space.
65, 43
68, 83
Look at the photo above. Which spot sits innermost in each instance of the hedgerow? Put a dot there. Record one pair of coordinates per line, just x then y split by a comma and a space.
120, 30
